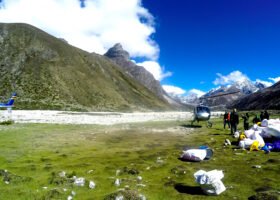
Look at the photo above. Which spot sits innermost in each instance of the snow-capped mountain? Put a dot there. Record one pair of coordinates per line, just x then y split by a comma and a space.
222, 95
190, 97
227, 94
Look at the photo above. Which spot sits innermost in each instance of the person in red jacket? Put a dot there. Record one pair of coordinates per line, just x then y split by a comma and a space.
226, 119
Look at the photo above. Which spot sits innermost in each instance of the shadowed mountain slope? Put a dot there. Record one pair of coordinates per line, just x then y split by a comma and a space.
48, 73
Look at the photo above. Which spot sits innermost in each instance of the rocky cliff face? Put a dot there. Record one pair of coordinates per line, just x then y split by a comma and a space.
268, 98
48, 73
121, 57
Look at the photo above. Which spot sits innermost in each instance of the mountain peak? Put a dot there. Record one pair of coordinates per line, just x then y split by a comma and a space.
117, 51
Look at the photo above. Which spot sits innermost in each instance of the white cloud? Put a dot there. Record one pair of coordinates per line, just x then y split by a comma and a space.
170, 89
199, 93
275, 80
235, 76
94, 28
155, 69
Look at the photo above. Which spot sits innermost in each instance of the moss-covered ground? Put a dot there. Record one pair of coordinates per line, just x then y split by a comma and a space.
144, 157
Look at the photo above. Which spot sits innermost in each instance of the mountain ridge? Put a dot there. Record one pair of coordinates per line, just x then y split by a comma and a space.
48, 73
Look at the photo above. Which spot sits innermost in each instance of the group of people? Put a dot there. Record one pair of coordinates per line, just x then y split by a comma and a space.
231, 119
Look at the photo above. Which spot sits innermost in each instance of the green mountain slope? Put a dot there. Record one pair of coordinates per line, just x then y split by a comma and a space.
48, 73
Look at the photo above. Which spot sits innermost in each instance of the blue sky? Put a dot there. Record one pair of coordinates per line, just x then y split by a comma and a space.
185, 44
200, 38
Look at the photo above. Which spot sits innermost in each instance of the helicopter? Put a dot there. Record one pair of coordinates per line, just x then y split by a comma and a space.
10, 103
203, 113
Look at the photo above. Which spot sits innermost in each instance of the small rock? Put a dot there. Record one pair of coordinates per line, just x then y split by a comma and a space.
90, 171
142, 197
227, 142
62, 174
141, 185
73, 193
91, 185
79, 181
119, 197
7, 182
139, 178
45, 188
257, 166
69, 197
118, 172
117, 182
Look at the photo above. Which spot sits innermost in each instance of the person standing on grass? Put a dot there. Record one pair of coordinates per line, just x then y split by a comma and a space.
226, 119
246, 121
266, 115
234, 121
262, 116
256, 119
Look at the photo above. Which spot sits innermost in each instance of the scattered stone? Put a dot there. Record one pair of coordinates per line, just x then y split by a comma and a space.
91, 185
62, 174
73, 193
126, 187
142, 197
69, 197
227, 142
141, 185
118, 172
9, 177
179, 170
119, 197
159, 161
117, 182
45, 188
139, 178
257, 166
79, 181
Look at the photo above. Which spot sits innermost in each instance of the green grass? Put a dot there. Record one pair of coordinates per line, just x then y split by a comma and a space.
34, 154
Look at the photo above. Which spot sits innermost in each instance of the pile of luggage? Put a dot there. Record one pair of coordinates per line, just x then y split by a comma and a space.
262, 136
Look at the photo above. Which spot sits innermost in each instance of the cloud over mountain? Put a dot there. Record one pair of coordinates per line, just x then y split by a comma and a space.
155, 69
233, 77
90, 25
173, 90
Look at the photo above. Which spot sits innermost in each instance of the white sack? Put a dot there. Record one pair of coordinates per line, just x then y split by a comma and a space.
210, 182
194, 154
245, 143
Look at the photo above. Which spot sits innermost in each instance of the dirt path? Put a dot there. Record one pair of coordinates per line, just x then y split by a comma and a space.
102, 118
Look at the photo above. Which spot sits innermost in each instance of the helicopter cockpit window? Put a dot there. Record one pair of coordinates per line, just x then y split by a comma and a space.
203, 109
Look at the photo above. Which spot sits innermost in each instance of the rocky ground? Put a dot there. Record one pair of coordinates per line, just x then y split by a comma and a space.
102, 118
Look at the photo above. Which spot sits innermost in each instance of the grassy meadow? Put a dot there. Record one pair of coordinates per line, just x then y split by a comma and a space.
143, 156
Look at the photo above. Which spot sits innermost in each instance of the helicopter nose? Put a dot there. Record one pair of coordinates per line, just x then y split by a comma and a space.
205, 114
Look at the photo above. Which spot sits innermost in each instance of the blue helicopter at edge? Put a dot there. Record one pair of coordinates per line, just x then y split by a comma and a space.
10, 103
